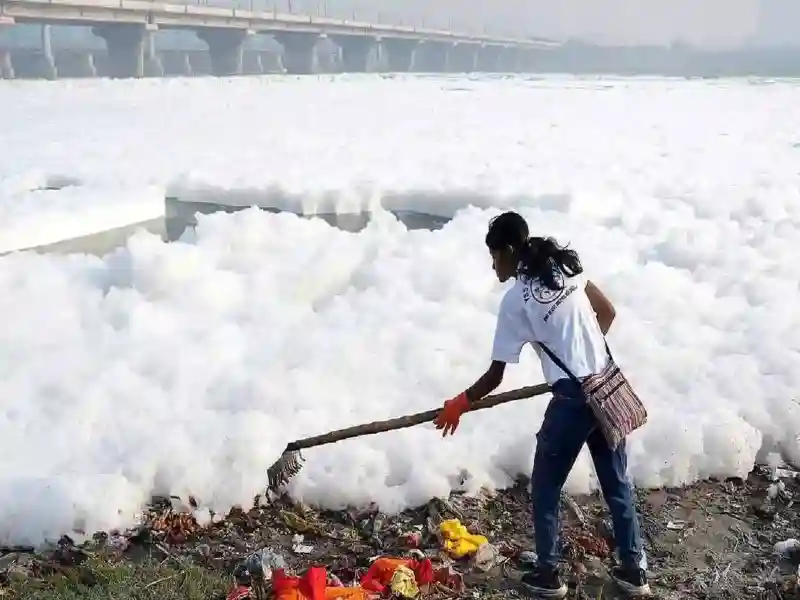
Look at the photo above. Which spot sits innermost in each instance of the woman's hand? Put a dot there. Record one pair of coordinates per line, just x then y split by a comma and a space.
449, 417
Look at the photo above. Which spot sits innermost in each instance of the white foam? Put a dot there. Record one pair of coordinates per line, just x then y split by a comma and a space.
187, 367
312, 142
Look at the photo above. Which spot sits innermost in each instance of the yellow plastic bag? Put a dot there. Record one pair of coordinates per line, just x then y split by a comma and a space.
458, 541
404, 583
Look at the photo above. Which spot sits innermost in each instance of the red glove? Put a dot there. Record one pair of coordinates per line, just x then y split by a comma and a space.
451, 413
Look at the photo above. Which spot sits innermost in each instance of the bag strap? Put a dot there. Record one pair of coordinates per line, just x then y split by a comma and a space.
558, 362
562, 366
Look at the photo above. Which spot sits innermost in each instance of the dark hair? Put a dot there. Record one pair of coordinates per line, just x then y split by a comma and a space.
540, 258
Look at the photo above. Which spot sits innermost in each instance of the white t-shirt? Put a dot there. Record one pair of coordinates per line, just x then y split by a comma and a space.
562, 320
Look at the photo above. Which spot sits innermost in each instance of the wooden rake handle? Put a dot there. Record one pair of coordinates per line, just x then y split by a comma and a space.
412, 420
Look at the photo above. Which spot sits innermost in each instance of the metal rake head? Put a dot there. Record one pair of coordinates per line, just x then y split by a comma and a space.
287, 466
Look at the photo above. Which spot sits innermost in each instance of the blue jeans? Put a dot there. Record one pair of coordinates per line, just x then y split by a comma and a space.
568, 424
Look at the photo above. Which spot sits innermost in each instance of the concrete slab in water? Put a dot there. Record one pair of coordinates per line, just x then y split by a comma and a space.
100, 243
182, 215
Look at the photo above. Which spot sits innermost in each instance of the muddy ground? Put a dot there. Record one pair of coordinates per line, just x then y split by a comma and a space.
714, 540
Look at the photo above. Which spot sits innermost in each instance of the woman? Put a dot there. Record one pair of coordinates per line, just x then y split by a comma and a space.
552, 304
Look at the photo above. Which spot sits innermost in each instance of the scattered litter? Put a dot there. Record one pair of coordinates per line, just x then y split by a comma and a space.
404, 583
775, 489
262, 562
581, 543
254, 572
312, 585
789, 550
458, 541
239, 592
116, 542
334, 581
174, 526
574, 508
440, 556
298, 547
380, 574
487, 557
449, 578
785, 474
16, 566
412, 539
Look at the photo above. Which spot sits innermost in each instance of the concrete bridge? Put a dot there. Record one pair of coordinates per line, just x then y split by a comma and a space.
128, 29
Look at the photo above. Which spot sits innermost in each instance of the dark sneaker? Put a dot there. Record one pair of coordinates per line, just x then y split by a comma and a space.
544, 583
632, 581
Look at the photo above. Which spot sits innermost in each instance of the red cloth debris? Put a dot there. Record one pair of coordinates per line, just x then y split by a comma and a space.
312, 586
380, 573
239, 592
449, 578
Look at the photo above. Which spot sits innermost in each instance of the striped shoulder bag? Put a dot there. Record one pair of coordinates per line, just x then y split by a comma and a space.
615, 404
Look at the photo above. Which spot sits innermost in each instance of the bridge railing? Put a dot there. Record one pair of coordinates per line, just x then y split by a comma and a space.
364, 14
335, 15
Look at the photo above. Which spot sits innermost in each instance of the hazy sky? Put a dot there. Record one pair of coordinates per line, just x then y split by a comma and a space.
708, 23
700, 22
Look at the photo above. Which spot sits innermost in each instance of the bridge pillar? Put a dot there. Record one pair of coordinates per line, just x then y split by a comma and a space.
400, 54
176, 62
529, 60
510, 60
225, 49
432, 57
35, 63
126, 48
299, 52
76, 64
356, 52
6, 67
153, 67
328, 55
464, 58
489, 59
252, 63
48, 61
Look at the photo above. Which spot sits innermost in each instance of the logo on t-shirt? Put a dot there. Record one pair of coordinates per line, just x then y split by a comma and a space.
543, 294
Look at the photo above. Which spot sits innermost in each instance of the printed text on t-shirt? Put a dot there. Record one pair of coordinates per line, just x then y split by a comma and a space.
558, 302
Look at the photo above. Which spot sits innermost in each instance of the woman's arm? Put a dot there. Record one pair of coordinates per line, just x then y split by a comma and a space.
506, 348
602, 307
488, 382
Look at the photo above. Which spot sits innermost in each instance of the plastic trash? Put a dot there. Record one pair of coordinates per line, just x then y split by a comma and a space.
487, 557
458, 541
404, 583
261, 563
788, 549
298, 547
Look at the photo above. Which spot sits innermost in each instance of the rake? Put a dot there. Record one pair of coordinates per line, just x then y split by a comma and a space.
291, 461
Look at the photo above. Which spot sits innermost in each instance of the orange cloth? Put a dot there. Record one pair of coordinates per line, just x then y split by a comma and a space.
312, 586
380, 572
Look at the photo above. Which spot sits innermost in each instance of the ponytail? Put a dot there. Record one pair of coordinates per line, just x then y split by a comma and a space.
542, 259
538, 258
